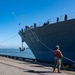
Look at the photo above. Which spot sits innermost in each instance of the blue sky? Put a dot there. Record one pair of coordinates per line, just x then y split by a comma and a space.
27, 12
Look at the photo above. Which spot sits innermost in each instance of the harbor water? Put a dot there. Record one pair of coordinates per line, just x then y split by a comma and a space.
27, 53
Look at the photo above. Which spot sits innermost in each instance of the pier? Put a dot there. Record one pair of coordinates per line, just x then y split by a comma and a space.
12, 66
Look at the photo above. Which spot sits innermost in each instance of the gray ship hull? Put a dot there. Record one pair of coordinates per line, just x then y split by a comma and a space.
42, 40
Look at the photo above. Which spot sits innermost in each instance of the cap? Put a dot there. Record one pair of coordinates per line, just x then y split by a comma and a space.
57, 46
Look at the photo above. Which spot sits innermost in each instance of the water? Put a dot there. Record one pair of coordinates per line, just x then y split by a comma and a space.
27, 53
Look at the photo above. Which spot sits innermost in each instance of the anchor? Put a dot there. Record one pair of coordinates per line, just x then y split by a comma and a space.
22, 48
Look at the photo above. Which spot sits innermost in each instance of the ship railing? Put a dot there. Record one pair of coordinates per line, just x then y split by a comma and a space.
61, 18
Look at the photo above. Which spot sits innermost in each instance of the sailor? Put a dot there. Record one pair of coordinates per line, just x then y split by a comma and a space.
65, 18
26, 27
44, 24
22, 29
58, 55
57, 19
47, 22
34, 25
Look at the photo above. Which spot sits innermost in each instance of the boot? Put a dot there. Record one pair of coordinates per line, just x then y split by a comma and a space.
54, 70
59, 71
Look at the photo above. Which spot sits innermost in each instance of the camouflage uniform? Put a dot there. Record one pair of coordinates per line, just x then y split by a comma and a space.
58, 61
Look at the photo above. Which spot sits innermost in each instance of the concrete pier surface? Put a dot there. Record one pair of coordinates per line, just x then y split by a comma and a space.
15, 67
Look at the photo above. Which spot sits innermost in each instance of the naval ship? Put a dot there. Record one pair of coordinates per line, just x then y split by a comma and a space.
42, 40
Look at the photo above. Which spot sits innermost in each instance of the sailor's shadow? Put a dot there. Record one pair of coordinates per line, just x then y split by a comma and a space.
34, 71
38, 66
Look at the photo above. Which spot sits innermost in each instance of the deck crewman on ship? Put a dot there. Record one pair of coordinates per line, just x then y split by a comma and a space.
58, 55
57, 19
65, 18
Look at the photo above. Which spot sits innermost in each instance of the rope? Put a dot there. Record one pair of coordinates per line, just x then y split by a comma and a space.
9, 38
69, 59
46, 46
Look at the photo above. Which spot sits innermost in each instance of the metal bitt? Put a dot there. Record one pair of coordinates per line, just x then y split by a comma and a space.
22, 48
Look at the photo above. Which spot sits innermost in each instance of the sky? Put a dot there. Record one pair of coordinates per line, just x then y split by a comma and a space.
28, 12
